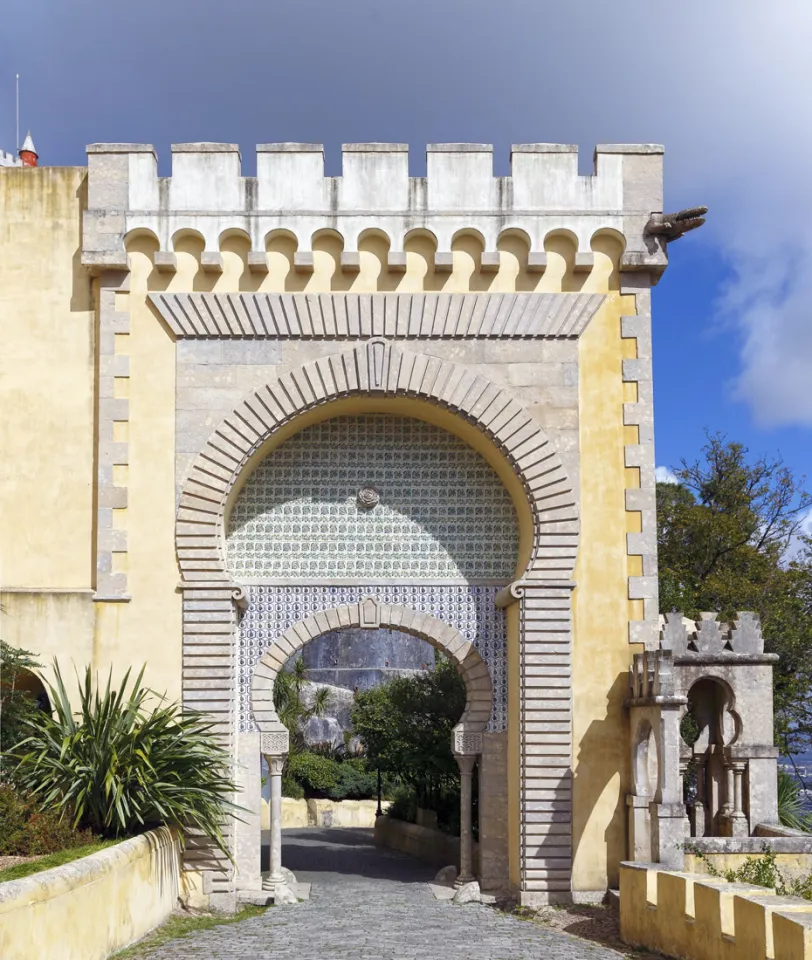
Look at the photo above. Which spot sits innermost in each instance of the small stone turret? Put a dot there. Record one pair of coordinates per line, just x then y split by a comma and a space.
720, 674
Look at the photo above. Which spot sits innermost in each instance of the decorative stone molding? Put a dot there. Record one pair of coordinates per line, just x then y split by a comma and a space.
113, 442
378, 367
467, 743
642, 499
207, 194
282, 316
275, 743
397, 617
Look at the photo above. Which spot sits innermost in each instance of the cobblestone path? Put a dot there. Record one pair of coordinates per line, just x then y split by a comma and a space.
372, 904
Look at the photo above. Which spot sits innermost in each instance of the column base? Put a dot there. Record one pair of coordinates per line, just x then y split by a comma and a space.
279, 890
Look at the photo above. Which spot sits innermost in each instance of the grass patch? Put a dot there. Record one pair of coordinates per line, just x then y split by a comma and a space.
179, 926
58, 859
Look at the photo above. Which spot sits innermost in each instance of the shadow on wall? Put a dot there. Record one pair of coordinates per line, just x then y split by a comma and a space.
602, 773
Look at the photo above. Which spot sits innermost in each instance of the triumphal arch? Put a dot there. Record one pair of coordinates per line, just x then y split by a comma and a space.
272, 406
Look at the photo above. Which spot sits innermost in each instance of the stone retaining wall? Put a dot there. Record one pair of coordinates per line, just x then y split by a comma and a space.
88, 909
324, 813
433, 846
703, 918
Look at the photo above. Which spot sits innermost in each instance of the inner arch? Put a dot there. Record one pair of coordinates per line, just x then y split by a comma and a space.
443, 512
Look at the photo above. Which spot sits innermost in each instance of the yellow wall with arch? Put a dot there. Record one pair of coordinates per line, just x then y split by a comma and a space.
47, 517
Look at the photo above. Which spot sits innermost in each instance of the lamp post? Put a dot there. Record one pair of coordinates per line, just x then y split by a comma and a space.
379, 811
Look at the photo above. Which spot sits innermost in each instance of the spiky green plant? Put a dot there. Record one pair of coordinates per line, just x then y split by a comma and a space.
791, 809
292, 706
119, 766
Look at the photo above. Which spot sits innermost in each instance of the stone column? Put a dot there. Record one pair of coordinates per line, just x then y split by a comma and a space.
275, 768
739, 824
466, 765
274, 747
700, 808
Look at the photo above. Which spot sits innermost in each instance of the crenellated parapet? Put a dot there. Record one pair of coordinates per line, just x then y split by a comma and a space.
544, 197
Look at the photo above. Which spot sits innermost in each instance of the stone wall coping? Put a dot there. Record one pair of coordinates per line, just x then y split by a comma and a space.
205, 147
374, 147
62, 880
459, 148
632, 148
802, 843
120, 148
544, 148
290, 147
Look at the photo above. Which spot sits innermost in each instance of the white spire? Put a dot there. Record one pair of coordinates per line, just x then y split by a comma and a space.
28, 144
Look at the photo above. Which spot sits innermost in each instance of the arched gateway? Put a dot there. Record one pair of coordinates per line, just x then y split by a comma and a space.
369, 614
383, 378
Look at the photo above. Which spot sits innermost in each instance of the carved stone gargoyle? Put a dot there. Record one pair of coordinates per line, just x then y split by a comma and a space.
671, 226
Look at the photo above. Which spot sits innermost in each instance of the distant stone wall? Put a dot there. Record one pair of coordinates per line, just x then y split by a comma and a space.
89, 909
433, 846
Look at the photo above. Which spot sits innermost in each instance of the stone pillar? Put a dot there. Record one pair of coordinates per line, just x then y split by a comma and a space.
274, 747
700, 807
466, 765
275, 767
639, 828
739, 824
667, 809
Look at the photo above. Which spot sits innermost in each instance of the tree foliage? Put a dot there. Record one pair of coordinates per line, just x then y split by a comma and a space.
406, 723
729, 539
296, 702
118, 767
17, 705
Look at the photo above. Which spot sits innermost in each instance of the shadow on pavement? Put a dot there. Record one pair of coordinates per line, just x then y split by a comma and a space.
327, 855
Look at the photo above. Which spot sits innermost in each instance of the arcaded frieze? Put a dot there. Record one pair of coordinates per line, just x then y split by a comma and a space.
544, 196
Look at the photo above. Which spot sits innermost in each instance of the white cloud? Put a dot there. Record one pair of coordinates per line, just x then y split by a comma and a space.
664, 475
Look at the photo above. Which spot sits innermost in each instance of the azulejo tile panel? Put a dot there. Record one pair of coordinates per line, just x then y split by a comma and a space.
373, 497
471, 609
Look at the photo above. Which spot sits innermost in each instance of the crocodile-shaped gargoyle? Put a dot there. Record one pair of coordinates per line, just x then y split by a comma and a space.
671, 226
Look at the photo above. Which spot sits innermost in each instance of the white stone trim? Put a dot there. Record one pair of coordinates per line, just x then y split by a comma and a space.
377, 367
439, 634
336, 316
642, 499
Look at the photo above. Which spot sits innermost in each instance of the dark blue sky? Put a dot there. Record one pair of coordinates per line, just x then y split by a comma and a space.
721, 85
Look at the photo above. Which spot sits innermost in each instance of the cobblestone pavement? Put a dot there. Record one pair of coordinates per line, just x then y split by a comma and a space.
372, 904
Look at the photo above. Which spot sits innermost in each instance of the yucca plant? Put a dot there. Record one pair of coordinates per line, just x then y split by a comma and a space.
118, 766
792, 811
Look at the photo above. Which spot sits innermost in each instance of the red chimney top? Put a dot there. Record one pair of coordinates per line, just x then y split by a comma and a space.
28, 153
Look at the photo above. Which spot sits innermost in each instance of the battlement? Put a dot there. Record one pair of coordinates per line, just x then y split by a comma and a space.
207, 194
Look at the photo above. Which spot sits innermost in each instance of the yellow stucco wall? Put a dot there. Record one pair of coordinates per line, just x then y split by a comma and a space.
88, 909
47, 462
46, 371
601, 651
702, 918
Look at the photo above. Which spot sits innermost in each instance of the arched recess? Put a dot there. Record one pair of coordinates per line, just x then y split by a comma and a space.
371, 614
380, 369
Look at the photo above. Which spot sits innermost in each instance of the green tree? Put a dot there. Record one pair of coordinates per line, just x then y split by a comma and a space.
724, 532
296, 703
406, 726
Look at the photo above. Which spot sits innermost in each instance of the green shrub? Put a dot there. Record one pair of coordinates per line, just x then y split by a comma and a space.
762, 871
118, 768
28, 831
791, 810
316, 774
355, 782
290, 788
404, 804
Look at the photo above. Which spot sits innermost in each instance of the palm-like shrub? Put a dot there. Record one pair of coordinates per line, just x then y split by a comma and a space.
293, 705
118, 767
792, 811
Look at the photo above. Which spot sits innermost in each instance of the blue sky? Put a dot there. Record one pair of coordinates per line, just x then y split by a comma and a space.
724, 85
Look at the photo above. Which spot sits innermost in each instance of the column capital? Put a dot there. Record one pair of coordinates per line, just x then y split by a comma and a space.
466, 761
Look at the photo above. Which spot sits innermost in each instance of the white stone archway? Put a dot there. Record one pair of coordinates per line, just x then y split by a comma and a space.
272, 739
